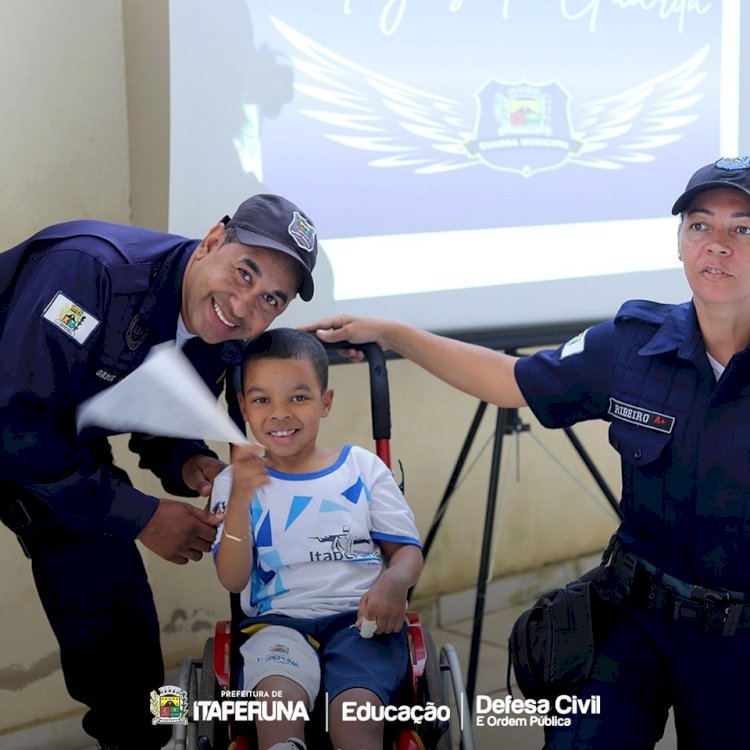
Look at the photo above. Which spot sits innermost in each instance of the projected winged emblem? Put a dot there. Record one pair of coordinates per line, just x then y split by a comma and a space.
519, 127
523, 128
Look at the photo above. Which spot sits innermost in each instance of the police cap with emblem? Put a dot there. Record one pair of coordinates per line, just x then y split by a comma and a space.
732, 173
273, 222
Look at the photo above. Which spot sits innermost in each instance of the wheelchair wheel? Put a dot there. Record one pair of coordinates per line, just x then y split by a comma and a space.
212, 735
437, 734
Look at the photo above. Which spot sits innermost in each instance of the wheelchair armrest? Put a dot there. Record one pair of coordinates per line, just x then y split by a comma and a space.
417, 648
222, 644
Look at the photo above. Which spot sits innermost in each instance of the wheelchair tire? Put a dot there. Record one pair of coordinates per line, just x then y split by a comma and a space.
212, 735
437, 734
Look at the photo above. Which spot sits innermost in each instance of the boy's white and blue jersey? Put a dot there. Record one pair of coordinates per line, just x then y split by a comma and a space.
316, 535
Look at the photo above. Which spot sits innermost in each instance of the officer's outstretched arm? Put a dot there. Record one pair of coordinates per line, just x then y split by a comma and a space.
481, 372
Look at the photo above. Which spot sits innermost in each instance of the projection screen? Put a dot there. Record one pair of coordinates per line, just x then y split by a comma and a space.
470, 165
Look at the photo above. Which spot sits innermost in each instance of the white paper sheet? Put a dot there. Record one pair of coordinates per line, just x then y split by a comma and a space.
165, 396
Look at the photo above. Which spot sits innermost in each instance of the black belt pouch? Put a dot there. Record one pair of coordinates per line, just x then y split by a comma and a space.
551, 645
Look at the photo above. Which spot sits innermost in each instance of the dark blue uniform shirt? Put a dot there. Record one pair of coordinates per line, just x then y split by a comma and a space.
81, 304
683, 437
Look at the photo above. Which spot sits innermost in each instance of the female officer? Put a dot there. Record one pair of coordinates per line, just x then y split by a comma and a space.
672, 382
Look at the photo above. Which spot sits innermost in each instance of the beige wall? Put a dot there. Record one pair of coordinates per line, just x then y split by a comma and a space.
84, 124
63, 150
63, 155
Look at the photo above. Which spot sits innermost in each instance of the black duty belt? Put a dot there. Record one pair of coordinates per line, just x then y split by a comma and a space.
713, 611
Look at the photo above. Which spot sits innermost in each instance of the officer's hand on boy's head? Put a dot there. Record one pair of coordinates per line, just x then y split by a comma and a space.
199, 473
353, 355
346, 329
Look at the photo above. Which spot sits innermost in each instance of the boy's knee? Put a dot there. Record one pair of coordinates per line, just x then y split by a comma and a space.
279, 652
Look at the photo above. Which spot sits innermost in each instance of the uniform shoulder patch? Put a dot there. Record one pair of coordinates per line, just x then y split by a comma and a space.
70, 317
575, 346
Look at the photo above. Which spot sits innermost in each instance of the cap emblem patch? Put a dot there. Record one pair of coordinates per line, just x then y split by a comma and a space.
737, 162
302, 232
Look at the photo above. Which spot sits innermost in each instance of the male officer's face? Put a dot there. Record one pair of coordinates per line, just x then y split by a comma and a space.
714, 242
233, 291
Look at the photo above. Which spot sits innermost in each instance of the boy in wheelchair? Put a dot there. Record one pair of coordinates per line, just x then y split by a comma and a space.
322, 548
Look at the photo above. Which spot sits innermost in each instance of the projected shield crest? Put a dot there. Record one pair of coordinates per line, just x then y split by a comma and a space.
523, 128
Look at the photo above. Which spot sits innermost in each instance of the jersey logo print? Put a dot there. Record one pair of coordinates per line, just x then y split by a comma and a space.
70, 317
654, 420
342, 547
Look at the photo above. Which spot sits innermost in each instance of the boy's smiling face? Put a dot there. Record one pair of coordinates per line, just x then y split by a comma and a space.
283, 404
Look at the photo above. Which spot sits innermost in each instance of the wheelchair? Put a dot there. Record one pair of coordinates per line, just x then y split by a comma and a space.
432, 678
434, 683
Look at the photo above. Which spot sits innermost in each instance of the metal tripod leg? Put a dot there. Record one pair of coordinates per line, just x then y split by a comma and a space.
484, 560
507, 422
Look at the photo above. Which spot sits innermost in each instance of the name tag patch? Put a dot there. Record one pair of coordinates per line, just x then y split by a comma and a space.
654, 420
70, 317
106, 375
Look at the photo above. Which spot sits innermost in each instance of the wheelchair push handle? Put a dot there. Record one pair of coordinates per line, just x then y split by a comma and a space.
380, 399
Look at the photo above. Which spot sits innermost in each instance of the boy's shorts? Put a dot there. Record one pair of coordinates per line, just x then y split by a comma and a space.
345, 659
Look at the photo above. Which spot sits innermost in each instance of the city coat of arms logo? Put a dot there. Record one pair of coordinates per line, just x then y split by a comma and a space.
523, 128
169, 705
70, 317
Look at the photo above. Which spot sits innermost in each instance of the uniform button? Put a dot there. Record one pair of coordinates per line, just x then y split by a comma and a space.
637, 453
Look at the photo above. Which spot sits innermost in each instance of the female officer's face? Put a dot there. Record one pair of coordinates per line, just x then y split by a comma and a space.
714, 243
233, 291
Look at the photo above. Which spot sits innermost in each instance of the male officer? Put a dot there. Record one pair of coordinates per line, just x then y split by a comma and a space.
672, 382
81, 305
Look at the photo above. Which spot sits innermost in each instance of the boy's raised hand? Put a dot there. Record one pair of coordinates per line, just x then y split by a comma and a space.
248, 470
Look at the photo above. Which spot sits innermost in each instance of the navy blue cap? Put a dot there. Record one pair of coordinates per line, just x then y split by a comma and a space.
273, 222
731, 173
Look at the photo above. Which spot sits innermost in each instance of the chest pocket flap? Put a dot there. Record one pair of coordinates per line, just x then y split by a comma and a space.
636, 444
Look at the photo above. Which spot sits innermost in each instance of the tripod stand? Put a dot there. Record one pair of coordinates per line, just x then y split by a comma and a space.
507, 422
